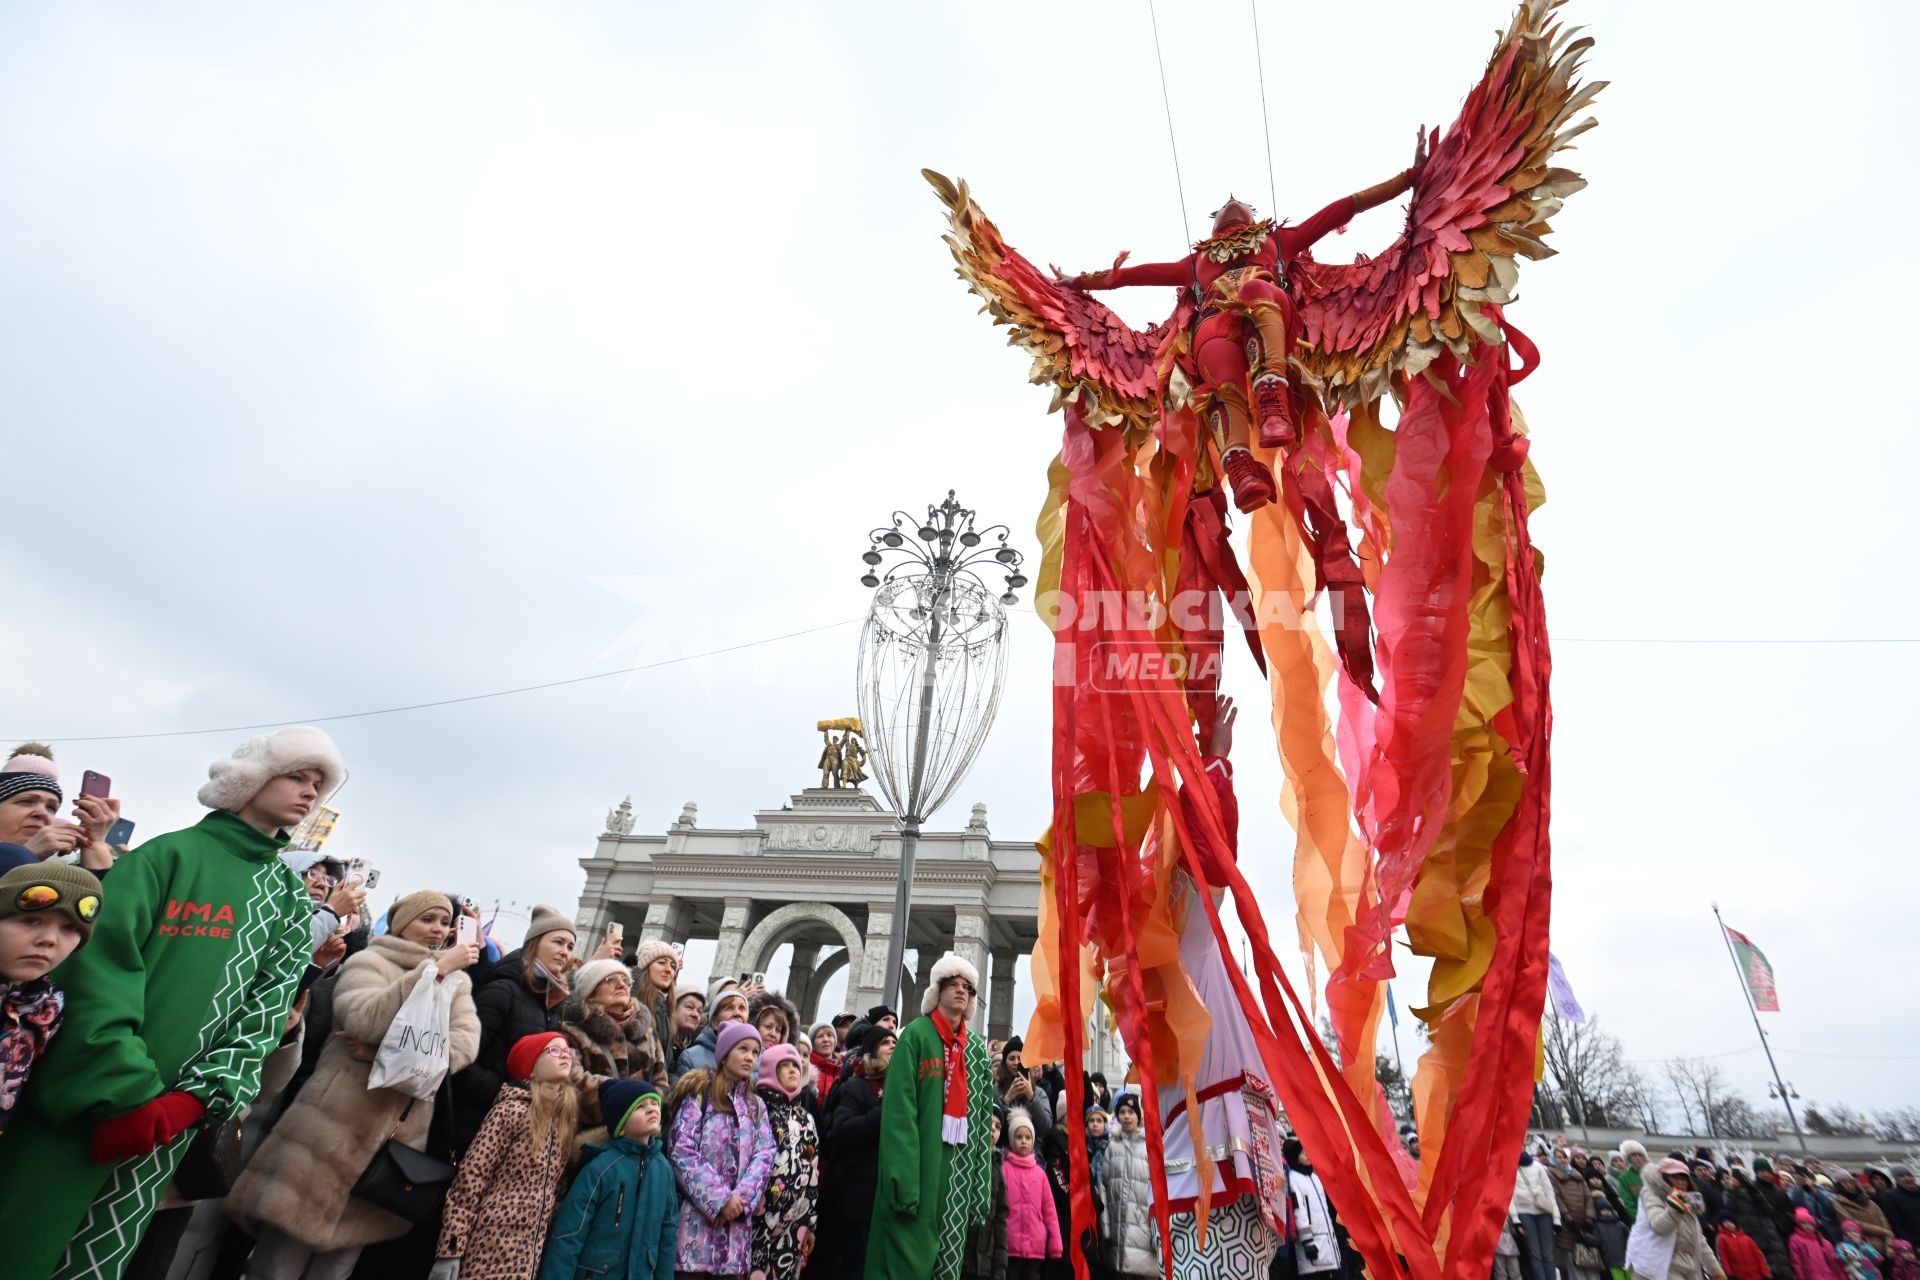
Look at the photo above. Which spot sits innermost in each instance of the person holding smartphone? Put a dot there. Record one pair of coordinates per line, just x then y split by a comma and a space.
30, 797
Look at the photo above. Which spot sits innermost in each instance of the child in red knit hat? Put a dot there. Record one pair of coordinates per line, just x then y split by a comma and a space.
502, 1201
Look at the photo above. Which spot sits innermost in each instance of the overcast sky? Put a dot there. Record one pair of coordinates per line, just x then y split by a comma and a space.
368, 354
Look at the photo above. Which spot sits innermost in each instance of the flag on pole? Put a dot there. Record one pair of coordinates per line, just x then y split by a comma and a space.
1564, 1002
1391, 1011
1758, 973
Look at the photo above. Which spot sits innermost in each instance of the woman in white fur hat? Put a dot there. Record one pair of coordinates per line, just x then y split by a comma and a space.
171, 1010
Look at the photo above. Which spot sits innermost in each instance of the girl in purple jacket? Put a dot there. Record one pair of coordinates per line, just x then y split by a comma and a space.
723, 1153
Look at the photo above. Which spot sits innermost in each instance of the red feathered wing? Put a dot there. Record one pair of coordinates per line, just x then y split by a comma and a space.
1483, 200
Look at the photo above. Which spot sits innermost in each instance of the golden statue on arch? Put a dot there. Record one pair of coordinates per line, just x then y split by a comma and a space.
843, 760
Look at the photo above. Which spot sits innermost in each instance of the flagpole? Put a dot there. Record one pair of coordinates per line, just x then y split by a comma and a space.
1746, 994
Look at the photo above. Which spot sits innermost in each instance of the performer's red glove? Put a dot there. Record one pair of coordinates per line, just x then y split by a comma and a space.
153, 1124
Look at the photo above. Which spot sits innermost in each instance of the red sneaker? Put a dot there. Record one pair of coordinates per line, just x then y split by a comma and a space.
1273, 404
1252, 482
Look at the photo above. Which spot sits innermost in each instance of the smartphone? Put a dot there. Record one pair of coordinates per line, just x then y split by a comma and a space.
96, 784
760, 980
616, 933
358, 869
467, 932
745, 978
120, 834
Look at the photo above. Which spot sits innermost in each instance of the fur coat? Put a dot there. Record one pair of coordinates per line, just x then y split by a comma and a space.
623, 1048
301, 1179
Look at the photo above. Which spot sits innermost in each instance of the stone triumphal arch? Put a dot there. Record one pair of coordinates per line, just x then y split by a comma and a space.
819, 873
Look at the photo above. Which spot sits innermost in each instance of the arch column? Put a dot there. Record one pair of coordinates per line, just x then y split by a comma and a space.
800, 976
732, 938
970, 944
810, 1011
1000, 997
665, 921
872, 972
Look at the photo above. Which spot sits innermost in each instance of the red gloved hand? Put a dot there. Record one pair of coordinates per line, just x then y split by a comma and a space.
153, 1124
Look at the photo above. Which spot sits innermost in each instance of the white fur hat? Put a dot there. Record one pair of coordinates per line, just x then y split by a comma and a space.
259, 760
1017, 1118
948, 966
594, 972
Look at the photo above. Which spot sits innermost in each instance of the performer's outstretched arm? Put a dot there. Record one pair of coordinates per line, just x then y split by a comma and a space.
1341, 211
1119, 277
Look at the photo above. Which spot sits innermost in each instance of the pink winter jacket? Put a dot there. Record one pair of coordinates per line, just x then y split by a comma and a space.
1033, 1228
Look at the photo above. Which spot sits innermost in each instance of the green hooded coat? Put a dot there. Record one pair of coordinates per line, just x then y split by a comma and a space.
186, 983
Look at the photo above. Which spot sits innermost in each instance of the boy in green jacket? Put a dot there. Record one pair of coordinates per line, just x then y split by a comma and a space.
622, 1217
171, 1008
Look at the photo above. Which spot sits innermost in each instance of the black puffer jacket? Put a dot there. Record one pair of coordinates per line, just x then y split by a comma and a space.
508, 1009
1749, 1209
850, 1168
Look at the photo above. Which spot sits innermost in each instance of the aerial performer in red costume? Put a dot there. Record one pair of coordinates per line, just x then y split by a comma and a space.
1419, 806
1241, 278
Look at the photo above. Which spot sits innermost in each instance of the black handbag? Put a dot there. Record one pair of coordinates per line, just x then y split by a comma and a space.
211, 1163
406, 1183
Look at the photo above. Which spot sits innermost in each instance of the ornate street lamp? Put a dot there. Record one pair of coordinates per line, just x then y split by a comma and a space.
932, 664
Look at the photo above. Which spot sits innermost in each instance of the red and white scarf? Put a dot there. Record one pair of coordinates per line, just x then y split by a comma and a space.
953, 1115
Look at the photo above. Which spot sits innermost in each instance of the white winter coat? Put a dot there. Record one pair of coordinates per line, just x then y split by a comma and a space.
1533, 1192
1312, 1220
1133, 1242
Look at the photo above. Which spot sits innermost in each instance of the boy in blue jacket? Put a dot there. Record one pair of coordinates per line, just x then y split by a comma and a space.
620, 1219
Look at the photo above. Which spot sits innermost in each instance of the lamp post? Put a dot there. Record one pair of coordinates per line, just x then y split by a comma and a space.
932, 664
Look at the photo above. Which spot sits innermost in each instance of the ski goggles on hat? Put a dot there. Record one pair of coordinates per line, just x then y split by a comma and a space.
45, 897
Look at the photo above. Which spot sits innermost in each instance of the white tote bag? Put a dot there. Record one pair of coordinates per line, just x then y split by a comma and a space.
413, 1054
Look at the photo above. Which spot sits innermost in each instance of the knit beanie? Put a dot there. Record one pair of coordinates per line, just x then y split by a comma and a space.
232, 782
526, 1051
1017, 1119
880, 1011
647, 952
1015, 1045
1128, 1101
30, 768
619, 1099
720, 1002
730, 1035
770, 1066
72, 891
687, 989
413, 906
546, 920
590, 975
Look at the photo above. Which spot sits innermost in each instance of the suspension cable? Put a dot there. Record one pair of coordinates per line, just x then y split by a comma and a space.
1260, 65
1167, 103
